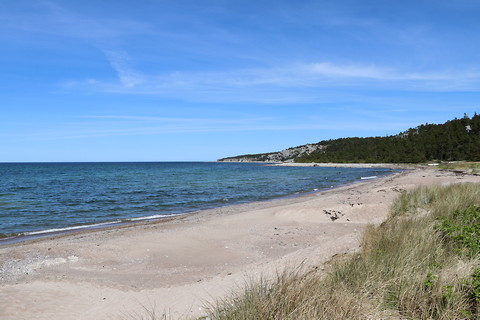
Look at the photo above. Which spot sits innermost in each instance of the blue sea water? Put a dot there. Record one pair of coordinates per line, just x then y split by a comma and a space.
44, 196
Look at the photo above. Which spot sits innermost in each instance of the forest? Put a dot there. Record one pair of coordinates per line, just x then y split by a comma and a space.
454, 140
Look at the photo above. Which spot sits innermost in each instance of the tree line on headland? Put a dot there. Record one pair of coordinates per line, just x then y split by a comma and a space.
454, 140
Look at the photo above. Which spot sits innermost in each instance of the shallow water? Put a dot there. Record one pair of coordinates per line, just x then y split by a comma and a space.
43, 196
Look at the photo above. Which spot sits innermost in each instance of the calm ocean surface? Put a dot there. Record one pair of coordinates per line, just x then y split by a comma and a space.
43, 196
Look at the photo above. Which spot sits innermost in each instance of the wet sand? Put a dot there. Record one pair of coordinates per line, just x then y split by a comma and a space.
178, 266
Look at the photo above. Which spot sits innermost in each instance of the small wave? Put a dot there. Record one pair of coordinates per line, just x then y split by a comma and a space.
368, 178
85, 226
157, 216
97, 225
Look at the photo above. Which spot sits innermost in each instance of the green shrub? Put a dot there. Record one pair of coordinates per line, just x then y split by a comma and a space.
462, 228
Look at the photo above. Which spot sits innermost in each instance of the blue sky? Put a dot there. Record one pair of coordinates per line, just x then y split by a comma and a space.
155, 80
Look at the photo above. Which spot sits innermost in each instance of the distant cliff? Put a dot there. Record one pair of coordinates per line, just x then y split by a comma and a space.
287, 155
454, 140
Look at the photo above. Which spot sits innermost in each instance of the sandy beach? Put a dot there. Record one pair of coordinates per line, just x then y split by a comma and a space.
179, 266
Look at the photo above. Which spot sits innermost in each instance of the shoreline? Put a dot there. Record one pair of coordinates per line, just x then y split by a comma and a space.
180, 265
28, 236
35, 236
347, 165
332, 164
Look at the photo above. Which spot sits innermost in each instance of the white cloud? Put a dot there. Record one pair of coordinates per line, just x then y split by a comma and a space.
127, 75
327, 69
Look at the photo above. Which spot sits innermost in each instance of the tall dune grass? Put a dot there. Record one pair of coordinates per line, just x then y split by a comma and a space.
408, 268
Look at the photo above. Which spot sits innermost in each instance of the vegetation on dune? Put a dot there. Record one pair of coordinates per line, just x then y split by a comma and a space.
422, 263
468, 167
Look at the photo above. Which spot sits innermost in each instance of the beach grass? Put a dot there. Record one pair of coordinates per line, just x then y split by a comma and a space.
468, 167
423, 262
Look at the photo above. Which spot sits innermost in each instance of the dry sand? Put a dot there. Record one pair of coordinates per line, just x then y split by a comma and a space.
180, 265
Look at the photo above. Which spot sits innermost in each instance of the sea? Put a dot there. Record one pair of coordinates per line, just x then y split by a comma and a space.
41, 198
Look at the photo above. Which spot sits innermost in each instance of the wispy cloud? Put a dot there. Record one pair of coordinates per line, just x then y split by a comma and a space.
296, 82
330, 70
326, 69
127, 75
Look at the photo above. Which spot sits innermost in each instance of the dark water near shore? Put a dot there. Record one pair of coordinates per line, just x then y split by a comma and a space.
43, 196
